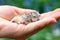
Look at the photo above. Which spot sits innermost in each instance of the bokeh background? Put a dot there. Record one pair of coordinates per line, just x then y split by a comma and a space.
51, 32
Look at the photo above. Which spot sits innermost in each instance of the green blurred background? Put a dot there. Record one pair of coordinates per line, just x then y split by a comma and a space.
51, 32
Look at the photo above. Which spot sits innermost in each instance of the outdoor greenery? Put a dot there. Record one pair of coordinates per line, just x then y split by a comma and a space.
51, 32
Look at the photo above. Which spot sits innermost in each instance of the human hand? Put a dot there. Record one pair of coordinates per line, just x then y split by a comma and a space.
9, 29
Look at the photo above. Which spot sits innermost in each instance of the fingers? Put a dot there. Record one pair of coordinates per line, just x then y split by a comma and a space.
44, 15
23, 11
55, 14
36, 26
7, 12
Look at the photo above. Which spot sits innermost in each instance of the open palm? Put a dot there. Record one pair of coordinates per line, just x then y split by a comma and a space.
9, 29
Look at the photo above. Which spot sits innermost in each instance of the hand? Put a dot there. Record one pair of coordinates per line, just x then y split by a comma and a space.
9, 29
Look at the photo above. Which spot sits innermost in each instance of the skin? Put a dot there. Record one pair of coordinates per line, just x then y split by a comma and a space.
16, 31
